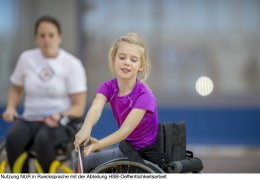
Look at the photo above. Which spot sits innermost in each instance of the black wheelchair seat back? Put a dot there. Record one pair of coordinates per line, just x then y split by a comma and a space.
169, 152
171, 140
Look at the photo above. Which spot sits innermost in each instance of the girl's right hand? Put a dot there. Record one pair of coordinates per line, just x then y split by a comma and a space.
81, 137
9, 115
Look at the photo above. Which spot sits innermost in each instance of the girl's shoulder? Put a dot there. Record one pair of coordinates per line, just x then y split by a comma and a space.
142, 88
110, 84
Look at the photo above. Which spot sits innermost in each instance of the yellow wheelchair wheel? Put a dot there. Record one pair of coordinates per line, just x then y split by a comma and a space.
55, 165
3, 166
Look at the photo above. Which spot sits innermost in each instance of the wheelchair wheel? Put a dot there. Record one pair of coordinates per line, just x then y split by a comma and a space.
123, 165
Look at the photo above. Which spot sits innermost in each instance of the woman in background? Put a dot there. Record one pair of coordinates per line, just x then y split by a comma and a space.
54, 84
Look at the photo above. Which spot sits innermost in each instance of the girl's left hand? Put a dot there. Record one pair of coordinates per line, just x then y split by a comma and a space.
92, 147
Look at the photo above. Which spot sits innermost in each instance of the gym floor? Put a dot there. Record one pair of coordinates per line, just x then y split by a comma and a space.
228, 159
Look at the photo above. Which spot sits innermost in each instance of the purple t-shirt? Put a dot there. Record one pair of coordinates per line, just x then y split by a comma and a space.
141, 97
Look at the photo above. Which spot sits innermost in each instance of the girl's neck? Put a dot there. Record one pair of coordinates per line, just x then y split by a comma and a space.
125, 87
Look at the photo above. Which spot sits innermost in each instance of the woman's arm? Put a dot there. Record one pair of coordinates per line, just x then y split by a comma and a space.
130, 123
15, 94
92, 117
78, 103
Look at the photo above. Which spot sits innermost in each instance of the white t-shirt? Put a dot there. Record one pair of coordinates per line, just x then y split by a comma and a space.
48, 82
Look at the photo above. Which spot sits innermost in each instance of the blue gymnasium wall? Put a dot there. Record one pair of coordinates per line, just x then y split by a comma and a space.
230, 126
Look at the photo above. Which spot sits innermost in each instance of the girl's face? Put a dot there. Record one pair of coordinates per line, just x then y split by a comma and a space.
48, 39
127, 62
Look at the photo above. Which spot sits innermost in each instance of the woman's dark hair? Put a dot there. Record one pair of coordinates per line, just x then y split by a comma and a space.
48, 19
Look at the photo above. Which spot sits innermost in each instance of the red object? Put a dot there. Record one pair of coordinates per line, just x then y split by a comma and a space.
80, 160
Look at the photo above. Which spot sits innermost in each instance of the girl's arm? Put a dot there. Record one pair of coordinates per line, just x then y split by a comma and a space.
130, 123
92, 117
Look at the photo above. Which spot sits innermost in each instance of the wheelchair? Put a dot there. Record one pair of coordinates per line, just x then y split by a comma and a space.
168, 155
65, 153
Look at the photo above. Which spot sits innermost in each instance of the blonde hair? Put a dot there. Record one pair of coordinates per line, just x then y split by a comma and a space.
132, 38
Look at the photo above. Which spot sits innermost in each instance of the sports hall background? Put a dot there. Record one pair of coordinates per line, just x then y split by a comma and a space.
187, 39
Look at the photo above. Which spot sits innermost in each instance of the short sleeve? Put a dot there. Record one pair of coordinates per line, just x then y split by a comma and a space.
17, 78
77, 78
145, 101
106, 89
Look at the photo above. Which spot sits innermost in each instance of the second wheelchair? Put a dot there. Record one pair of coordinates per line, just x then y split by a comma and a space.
64, 151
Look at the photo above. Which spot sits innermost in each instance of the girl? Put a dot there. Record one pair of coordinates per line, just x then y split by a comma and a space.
133, 104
